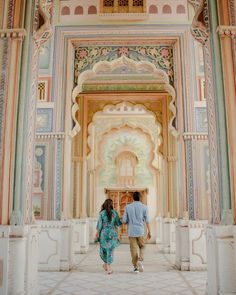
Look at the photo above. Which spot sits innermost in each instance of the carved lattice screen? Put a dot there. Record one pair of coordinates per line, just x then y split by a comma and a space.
122, 6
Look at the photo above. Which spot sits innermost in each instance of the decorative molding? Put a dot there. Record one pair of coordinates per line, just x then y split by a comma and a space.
44, 120
212, 131
13, 34
227, 31
124, 16
57, 135
195, 135
190, 179
232, 12
44, 33
171, 159
59, 179
199, 28
159, 55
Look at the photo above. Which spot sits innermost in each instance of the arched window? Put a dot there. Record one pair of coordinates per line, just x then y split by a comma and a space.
126, 162
65, 10
92, 9
166, 9
108, 3
180, 9
79, 10
153, 9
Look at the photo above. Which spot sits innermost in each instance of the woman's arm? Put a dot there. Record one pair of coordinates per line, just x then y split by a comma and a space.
99, 227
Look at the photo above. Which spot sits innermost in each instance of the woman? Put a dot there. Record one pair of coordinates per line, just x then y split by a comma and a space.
107, 235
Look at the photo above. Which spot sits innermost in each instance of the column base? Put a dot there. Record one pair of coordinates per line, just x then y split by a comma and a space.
18, 271
221, 259
166, 234
92, 229
182, 245
56, 251
159, 232
81, 235
173, 235
197, 245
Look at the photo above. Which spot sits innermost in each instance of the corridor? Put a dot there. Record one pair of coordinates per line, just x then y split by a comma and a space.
88, 278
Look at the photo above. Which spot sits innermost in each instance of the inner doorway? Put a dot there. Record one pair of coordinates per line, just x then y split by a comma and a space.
122, 197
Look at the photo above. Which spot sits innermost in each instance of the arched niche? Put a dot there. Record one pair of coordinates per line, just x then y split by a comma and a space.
130, 115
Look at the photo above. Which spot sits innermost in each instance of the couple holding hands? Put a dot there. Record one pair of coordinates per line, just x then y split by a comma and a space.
136, 216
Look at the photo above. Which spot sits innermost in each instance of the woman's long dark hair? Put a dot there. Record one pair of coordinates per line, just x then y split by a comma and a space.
108, 206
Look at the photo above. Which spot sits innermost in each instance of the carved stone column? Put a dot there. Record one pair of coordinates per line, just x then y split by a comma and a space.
219, 238
12, 34
27, 107
204, 30
227, 36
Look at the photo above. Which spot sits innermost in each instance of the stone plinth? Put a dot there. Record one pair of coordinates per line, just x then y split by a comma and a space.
164, 234
191, 244
92, 229
81, 235
221, 266
159, 232
56, 250
173, 235
32, 249
19, 260
197, 244
4, 258
182, 244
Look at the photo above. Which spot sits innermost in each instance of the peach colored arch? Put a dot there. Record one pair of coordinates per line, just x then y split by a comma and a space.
159, 75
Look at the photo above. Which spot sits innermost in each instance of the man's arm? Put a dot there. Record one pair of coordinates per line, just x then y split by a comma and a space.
146, 218
148, 231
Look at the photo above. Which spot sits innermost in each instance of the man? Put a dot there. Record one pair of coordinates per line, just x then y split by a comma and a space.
136, 215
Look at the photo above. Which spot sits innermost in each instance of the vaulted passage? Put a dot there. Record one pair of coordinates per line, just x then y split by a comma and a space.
103, 98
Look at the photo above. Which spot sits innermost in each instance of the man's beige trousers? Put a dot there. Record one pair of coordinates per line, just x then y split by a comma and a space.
137, 245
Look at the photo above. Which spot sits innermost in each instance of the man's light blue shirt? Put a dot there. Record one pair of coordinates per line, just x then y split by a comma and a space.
135, 215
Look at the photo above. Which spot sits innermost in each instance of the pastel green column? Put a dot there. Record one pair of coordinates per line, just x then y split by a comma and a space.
22, 118
222, 150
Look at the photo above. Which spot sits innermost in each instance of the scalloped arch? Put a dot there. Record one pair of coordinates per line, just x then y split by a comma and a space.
160, 78
154, 132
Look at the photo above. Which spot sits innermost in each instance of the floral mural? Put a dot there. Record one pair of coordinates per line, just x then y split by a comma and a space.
161, 56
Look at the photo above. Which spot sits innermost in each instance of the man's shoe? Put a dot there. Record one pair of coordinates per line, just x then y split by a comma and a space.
136, 270
140, 266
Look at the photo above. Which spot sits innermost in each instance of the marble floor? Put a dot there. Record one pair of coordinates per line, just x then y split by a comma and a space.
88, 278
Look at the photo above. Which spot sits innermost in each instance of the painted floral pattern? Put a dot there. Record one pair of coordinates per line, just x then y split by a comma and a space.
161, 56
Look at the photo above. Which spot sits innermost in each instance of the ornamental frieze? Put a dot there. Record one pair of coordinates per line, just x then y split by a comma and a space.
161, 56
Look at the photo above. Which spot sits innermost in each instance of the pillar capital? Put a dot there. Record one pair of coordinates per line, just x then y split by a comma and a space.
226, 31
13, 34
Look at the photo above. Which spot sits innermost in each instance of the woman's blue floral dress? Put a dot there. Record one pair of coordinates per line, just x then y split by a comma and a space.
108, 236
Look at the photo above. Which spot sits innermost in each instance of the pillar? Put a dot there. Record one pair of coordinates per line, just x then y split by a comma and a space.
227, 33
12, 34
